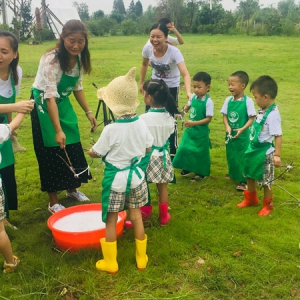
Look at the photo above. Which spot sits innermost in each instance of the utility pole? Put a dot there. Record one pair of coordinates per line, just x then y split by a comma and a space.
3, 8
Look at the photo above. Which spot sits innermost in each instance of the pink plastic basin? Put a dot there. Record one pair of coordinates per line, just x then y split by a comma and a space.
74, 241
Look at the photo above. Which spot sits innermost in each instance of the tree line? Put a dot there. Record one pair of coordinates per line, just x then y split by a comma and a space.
196, 16
190, 16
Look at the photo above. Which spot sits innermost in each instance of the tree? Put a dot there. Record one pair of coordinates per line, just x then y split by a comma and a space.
97, 14
118, 7
129, 27
17, 7
83, 11
246, 10
138, 8
26, 21
174, 10
131, 8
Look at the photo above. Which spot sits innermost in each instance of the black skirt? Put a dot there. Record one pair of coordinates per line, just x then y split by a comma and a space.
55, 174
10, 188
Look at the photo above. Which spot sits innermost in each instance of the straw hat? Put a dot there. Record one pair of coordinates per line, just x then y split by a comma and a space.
121, 94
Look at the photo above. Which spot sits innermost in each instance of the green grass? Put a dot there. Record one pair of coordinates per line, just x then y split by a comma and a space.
205, 221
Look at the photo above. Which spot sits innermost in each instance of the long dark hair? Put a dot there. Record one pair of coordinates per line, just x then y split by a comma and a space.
14, 45
161, 95
70, 27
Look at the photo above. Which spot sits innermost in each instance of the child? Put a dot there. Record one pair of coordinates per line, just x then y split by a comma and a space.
161, 125
193, 152
123, 146
11, 261
10, 80
261, 155
238, 114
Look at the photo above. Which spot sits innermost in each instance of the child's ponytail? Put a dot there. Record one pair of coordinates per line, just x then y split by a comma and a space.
171, 106
160, 93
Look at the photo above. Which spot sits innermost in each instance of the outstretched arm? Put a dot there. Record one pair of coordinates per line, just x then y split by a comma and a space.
143, 71
178, 35
186, 78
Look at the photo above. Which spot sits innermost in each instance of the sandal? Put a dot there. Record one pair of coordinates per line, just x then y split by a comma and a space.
197, 178
184, 173
241, 187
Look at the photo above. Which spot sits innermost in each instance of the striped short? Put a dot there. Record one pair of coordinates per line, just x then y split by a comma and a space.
156, 172
138, 197
268, 178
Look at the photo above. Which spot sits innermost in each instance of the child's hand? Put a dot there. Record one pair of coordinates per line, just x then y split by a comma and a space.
186, 108
189, 123
238, 133
228, 129
277, 161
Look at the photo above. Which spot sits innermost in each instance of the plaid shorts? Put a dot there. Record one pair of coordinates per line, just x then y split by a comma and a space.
156, 172
2, 203
268, 171
138, 197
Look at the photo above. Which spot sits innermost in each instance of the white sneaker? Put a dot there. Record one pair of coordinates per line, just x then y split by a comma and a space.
55, 208
79, 196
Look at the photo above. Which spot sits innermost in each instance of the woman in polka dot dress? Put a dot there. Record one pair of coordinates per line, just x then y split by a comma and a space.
54, 123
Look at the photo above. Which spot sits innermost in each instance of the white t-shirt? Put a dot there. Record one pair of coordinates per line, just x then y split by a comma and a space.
209, 105
5, 133
49, 74
249, 105
5, 85
161, 125
271, 128
165, 67
122, 142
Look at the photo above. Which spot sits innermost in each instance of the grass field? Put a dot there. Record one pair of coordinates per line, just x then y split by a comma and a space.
211, 249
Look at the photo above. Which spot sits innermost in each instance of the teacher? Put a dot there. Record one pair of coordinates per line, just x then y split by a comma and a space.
62, 164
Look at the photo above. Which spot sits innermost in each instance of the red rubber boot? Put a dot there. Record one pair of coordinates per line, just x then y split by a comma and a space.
250, 199
146, 215
267, 207
164, 216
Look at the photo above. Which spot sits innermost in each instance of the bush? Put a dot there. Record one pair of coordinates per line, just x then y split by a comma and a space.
45, 34
129, 27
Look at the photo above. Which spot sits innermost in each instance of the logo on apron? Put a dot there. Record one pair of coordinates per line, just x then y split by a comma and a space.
233, 116
67, 91
193, 113
252, 133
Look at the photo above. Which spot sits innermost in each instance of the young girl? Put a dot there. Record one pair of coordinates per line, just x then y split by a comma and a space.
161, 125
10, 80
54, 122
123, 146
11, 261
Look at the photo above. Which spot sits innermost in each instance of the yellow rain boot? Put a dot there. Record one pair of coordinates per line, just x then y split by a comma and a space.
109, 262
140, 253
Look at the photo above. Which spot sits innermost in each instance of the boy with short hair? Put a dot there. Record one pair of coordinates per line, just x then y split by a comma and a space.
238, 115
193, 154
261, 155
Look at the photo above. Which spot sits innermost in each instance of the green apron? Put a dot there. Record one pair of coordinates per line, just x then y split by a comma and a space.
8, 158
255, 155
67, 116
235, 148
193, 153
110, 172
